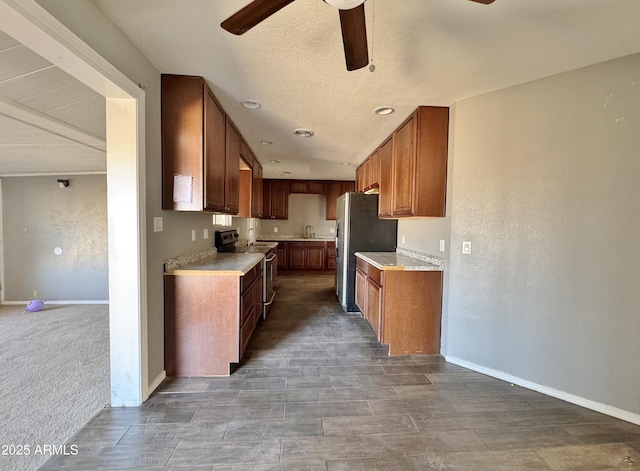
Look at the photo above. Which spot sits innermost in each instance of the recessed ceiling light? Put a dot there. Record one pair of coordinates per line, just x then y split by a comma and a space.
303, 132
266, 143
286, 173
252, 105
384, 110
345, 164
274, 161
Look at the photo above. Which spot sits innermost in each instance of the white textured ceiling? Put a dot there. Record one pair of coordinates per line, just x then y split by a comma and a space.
49, 122
426, 52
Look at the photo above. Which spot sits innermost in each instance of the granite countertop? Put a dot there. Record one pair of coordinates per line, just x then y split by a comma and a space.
402, 259
210, 262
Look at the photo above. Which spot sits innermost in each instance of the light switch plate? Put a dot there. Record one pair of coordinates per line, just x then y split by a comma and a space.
441, 245
193, 235
157, 224
205, 233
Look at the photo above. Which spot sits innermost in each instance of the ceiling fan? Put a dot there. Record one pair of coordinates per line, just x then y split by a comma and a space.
352, 22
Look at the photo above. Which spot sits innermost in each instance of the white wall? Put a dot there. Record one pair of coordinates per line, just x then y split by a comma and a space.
86, 20
40, 216
546, 186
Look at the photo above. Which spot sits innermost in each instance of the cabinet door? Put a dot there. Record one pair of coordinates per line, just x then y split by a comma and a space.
315, 258
404, 167
373, 307
374, 170
281, 252
299, 186
297, 257
280, 190
360, 177
385, 198
257, 294
256, 194
331, 255
361, 292
232, 174
182, 139
316, 187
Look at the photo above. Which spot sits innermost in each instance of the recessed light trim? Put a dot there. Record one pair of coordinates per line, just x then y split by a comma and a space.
286, 173
266, 143
384, 110
303, 132
251, 104
274, 161
345, 164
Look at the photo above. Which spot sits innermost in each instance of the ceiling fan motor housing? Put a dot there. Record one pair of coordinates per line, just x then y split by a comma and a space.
344, 4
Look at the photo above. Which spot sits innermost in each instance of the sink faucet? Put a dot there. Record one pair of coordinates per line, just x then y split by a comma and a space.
308, 231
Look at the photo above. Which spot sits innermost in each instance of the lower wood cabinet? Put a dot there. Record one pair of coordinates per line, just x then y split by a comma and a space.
209, 320
317, 255
307, 255
403, 307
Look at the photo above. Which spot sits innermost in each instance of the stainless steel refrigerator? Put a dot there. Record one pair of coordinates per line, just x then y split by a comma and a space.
358, 229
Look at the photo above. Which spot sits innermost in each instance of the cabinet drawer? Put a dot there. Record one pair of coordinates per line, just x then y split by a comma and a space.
374, 274
245, 333
361, 264
247, 279
247, 302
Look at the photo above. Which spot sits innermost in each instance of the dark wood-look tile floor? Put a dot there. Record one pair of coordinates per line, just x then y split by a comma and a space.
317, 392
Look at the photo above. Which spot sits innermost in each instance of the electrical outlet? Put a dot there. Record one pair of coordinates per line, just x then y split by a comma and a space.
441, 245
157, 224
193, 235
275, 229
205, 233
403, 239
35, 294
466, 247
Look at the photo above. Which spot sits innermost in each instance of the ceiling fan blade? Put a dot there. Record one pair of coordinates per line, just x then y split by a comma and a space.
484, 2
354, 37
255, 12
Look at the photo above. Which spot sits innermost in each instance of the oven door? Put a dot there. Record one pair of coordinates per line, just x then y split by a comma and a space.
268, 290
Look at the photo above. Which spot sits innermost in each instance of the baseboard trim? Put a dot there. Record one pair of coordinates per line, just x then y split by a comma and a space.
573, 399
87, 301
156, 383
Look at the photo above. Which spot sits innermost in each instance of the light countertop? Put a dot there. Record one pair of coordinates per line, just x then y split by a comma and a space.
216, 264
402, 260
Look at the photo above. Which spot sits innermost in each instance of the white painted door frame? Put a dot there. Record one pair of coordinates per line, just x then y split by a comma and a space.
29, 23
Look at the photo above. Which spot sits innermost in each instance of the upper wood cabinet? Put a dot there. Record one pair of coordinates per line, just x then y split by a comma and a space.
315, 187
275, 199
385, 191
200, 149
193, 146
334, 190
410, 167
420, 147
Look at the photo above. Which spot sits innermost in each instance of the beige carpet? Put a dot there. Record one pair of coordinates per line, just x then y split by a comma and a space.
54, 377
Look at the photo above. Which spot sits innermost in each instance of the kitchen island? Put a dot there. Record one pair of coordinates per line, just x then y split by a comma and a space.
400, 295
212, 304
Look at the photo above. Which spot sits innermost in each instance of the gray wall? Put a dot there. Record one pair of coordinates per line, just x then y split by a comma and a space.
546, 187
39, 216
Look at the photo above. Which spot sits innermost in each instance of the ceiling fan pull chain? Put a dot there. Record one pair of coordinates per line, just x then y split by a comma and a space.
372, 66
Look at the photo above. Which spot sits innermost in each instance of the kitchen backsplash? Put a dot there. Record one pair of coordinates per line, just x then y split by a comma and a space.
303, 210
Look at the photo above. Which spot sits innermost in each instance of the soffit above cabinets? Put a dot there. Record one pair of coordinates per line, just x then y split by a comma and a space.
50, 123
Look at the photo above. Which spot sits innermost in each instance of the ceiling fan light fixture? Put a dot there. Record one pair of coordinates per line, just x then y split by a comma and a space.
384, 110
344, 4
303, 132
251, 104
